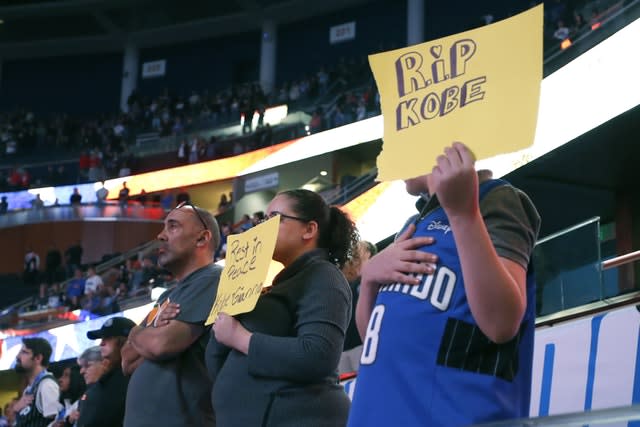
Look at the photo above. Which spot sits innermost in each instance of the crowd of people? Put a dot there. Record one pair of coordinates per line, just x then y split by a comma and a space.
103, 146
453, 302
65, 283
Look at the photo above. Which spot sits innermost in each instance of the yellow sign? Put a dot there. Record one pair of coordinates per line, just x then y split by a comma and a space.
245, 270
479, 87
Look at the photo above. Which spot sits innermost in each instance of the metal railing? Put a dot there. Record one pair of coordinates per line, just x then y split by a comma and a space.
577, 419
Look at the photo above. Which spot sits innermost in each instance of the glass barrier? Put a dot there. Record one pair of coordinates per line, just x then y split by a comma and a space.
568, 268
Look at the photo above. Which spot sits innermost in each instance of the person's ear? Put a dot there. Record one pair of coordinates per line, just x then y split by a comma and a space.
311, 230
39, 358
203, 239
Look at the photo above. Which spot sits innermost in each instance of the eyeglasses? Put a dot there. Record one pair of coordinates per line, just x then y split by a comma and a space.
187, 203
276, 213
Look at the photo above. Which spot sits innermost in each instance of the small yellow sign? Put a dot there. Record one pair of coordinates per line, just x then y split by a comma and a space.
479, 87
246, 267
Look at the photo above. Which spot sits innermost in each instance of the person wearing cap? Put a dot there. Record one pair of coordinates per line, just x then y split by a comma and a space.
169, 385
105, 399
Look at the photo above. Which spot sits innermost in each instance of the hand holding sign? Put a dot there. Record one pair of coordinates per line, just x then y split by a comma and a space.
460, 88
230, 332
246, 267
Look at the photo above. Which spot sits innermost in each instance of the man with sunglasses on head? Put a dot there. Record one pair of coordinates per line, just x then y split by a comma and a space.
169, 385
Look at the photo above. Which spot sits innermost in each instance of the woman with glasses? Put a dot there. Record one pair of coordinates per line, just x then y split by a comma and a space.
277, 365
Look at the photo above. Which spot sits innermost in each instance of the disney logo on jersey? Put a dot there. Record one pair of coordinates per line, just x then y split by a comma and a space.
439, 225
437, 287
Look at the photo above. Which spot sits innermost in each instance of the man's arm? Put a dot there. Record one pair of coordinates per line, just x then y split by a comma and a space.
165, 342
131, 359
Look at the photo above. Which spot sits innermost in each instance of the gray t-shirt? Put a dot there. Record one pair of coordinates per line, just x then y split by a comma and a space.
176, 391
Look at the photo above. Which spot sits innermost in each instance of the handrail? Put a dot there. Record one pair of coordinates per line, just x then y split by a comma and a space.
620, 260
587, 34
350, 189
593, 417
99, 269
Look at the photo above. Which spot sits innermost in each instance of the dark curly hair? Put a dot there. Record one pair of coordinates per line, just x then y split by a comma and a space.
337, 232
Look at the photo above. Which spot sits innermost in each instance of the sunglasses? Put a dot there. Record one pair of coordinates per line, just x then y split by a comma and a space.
187, 203
276, 213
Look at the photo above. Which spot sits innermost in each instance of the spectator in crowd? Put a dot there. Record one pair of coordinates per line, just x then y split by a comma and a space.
477, 257
562, 31
225, 232
9, 418
92, 367
122, 293
91, 302
72, 387
143, 198
105, 400
244, 224
73, 258
108, 301
41, 300
53, 264
4, 205
101, 194
257, 217
37, 203
352, 348
223, 204
123, 196
166, 200
75, 289
56, 297
316, 124
31, 268
183, 149
293, 338
166, 362
39, 403
10, 413
183, 196
76, 198
94, 282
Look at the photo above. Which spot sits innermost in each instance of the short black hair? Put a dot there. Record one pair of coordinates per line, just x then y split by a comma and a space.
39, 346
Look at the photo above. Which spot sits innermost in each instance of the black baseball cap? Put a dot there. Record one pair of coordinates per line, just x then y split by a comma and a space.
113, 327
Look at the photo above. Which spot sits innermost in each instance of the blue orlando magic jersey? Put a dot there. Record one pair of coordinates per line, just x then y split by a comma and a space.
425, 362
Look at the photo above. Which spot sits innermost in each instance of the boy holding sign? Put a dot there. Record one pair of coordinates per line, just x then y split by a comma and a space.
447, 311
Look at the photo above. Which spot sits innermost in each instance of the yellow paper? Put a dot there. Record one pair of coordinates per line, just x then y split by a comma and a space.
246, 266
479, 87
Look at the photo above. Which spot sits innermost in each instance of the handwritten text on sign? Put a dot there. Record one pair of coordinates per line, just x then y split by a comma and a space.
246, 266
460, 88
414, 73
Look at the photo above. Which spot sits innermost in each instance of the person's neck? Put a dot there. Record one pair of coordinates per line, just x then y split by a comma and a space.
197, 264
34, 373
294, 256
